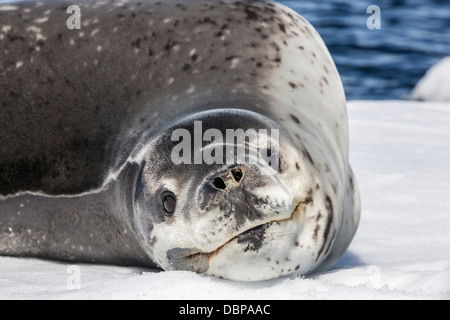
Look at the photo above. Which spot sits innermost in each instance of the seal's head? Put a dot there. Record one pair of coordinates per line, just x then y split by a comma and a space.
228, 207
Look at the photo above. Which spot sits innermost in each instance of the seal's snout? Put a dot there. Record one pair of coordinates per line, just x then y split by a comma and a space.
230, 179
244, 191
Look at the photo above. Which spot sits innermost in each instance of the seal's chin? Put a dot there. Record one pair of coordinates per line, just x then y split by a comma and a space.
251, 240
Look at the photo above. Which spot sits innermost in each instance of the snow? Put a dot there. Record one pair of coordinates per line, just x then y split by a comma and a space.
400, 152
435, 85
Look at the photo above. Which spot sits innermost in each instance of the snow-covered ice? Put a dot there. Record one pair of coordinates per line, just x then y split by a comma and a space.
435, 85
400, 152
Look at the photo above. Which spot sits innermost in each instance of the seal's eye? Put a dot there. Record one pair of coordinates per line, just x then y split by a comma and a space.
169, 202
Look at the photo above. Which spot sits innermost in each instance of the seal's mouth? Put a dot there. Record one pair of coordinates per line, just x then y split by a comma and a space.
197, 261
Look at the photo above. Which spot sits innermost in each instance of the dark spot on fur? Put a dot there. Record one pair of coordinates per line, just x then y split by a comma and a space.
251, 14
282, 27
308, 155
179, 5
297, 268
207, 20
330, 212
254, 238
293, 85
295, 118
319, 216
276, 46
170, 44
316, 231
309, 198
136, 43
186, 67
297, 166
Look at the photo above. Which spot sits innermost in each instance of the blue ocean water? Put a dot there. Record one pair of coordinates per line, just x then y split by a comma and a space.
385, 63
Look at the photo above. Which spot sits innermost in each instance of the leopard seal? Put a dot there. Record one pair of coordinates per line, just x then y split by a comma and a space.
88, 118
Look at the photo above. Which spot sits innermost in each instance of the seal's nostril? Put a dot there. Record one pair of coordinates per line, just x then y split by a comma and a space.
219, 183
237, 175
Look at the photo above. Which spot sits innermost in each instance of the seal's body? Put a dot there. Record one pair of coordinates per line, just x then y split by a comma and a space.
88, 119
